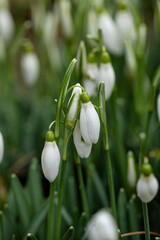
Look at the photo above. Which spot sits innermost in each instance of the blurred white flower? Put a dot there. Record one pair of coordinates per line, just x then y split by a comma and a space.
89, 122
66, 18
125, 24
111, 35
102, 226
147, 187
50, 160
7, 27
107, 75
131, 171
30, 68
82, 147
73, 107
1, 147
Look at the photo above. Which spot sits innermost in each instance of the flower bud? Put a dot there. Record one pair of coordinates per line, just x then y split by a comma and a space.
73, 106
147, 185
6, 24
131, 172
106, 75
50, 158
1, 147
102, 226
89, 120
111, 36
30, 68
82, 147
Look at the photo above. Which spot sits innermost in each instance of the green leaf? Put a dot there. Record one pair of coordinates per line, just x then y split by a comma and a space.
122, 211
1, 225
35, 186
68, 234
21, 201
63, 90
30, 236
81, 226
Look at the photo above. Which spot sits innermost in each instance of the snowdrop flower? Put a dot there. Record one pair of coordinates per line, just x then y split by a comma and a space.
30, 67
82, 147
147, 185
73, 105
158, 107
92, 71
125, 23
6, 25
102, 226
131, 172
66, 18
111, 36
50, 158
89, 120
1, 147
106, 74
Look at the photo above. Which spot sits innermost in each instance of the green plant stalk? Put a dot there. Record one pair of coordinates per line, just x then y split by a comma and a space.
146, 221
60, 198
111, 184
81, 185
50, 213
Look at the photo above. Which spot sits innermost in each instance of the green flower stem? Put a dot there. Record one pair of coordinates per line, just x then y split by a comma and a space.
146, 221
81, 185
1, 228
103, 118
111, 184
119, 141
60, 198
50, 213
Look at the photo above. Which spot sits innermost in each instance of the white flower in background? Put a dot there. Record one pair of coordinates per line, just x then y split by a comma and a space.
66, 18
7, 27
50, 158
73, 105
30, 68
106, 74
83, 148
131, 171
89, 120
102, 226
1, 147
92, 23
125, 24
111, 36
147, 185
158, 107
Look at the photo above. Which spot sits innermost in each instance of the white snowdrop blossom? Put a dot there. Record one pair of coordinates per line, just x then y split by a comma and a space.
102, 226
107, 75
147, 187
131, 172
72, 112
30, 68
50, 160
158, 107
83, 148
89, 121
1, 147
111, 36
125, 24
7, 27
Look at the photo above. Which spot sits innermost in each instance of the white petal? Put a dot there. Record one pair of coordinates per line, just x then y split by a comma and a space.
6, 25
92, 71
82, 147
50, 160
30, 68
111, 35
1, 147
89, 123
90, 87
102, 226
147, 188
107, 75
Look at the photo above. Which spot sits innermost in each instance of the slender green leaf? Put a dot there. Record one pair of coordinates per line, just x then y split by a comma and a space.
122, 211
1, 225
21, 201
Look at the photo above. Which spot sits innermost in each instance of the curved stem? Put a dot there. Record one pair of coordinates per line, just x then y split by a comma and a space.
51, 124
139, 233
146, 221
50, 213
